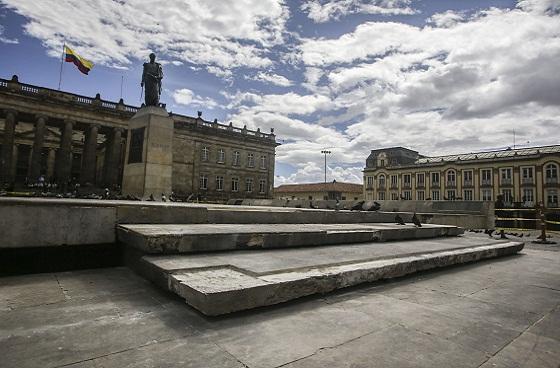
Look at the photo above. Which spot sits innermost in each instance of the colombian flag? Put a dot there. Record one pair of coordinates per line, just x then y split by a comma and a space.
83, 65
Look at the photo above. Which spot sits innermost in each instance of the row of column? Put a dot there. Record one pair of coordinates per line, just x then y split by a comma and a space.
64, 156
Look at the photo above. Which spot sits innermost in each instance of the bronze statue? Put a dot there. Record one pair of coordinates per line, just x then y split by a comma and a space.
151, 78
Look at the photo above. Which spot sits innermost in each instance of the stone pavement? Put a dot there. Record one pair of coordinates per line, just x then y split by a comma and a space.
498, 313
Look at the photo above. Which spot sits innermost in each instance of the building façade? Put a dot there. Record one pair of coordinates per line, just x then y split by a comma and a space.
524, 176
67, 138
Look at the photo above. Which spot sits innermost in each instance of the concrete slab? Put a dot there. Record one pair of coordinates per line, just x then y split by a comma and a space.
222, 290
365, 326
169, 239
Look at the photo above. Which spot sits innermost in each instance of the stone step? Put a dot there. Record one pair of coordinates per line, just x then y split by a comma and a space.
227, 282
181, 238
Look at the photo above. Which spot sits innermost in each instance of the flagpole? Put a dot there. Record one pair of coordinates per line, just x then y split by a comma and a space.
122, 80
61, 63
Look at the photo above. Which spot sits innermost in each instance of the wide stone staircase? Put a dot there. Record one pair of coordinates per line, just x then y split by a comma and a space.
234, 265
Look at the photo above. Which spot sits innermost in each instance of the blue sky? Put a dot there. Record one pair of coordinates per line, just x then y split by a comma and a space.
436, 76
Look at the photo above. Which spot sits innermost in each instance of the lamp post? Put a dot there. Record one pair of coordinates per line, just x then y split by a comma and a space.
325, 152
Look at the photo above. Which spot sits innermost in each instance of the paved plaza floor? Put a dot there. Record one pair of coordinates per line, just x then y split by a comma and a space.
497, 313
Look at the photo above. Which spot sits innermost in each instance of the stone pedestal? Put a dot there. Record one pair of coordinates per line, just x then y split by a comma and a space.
149, 154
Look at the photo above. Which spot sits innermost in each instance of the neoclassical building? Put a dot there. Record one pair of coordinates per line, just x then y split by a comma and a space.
523, 176
68, 138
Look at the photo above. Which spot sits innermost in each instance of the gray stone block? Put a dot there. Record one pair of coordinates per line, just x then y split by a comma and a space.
224, 289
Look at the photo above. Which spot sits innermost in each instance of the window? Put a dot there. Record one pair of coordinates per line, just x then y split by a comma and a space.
382, 164
394, 181
435, 179
552, 198
369, 181
394, 196
249, 185
250, 160
381, 181
407, 195
234, 184
508, 197
551, 174
468, 179
221, 156
236, 156
527, 175
219, 183
451, 177
528, 195
468, 195
406, 180
486, 176
205, 153
263, 162
486, 194
435, 195
203, 182
420, 195
450, 195
310, 198
420, 180
505, 176
381, 196
262, 187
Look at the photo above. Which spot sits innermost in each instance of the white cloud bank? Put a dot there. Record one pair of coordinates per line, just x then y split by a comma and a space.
321, 11
220, 34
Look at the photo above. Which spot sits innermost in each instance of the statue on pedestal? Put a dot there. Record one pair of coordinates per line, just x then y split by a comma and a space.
151, 79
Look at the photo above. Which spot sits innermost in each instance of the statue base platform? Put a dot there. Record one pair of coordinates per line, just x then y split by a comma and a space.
149, 154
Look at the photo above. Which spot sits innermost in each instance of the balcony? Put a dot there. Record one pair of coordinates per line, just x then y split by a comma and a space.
451, 184
551, 181
435, 184
381, 186
486, 182
394, 186
505, 181
468, 184
421, 185
527, 181
407, 186
369, 187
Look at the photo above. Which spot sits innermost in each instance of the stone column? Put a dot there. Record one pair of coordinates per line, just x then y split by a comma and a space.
64, 159
87, 174
6, 169
112, 158
39, 140
51, 163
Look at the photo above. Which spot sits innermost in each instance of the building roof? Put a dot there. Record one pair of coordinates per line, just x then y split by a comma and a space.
334, 186
531, 151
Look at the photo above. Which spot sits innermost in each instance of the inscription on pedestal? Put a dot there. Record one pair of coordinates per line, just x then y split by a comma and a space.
136, 145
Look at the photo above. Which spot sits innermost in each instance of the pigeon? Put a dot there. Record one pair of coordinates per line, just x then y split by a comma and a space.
416, 221
358, 206
399, 220
163, 198
374, 207
521, 235
151, 198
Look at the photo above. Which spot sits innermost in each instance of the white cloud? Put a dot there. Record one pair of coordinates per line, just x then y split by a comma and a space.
275, 79
6, 40
540, 6
313, 172
221, 34
185, 96
322, 11
446, 19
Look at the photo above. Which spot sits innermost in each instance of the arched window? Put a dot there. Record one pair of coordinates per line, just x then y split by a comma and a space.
381, 181
451, 177
551, 173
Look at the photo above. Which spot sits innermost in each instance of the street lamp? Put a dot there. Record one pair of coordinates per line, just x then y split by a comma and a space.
325, 152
